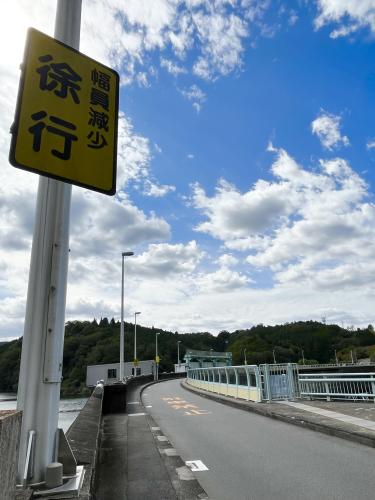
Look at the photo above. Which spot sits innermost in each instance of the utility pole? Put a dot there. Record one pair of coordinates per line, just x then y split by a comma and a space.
43, 339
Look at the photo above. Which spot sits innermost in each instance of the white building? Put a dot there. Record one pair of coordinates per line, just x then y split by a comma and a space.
110, 372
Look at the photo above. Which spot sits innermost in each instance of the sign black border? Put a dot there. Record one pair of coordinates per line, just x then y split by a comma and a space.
15, 125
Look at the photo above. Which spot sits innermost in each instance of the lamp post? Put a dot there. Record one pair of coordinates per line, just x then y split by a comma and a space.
244, 355
274, 357
135, 362
337, 361
303, 356
178, 354
123, 255
156, 356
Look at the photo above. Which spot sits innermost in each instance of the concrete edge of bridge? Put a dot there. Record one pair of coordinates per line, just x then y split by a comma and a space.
294, 416
186, 485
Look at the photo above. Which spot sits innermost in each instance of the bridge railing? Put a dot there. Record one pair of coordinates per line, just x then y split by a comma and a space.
250, 382
337, 386
242, 382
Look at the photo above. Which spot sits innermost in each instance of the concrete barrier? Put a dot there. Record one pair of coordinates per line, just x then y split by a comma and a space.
83, 437
10, 428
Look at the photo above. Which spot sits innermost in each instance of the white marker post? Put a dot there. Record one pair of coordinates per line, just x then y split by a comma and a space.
43, 340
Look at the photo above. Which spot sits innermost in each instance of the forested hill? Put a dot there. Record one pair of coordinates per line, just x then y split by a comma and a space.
95, 342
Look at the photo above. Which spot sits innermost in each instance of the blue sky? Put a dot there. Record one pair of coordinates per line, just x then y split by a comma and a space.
245, 168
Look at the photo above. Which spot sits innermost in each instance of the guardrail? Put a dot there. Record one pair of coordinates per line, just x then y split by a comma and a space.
250, 382
337, 365
337, 386
242, 382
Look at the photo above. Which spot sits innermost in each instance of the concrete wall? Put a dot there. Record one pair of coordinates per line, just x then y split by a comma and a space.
83, 437
10, 428
101, 372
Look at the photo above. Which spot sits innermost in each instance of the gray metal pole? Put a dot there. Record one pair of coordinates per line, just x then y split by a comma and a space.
122, 336
156, 356
178, 353
135, 339
122, 324
43, 340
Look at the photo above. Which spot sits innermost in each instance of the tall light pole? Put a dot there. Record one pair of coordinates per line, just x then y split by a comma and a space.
337, 361
178, 354
244, 355
303, 356
135, 342
124, 254
274, 357
156, 356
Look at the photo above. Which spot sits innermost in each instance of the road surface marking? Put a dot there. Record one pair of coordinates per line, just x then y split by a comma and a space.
162, 438
155, 428
133, 403
178, 403
196, 465
136, 414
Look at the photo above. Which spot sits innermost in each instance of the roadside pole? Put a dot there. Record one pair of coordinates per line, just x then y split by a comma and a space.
43, 340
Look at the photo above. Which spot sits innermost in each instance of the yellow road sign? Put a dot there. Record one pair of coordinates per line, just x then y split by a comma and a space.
66, 117
135, 362
157, 359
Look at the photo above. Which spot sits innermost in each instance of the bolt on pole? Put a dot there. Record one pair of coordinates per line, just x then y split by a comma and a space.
43, 340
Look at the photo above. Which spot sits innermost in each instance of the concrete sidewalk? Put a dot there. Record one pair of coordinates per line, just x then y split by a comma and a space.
354, 421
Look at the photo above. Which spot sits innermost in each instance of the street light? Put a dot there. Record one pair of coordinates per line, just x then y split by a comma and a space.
135, 362
244, 355
124, 254
178, 354
274, 358
156, 356
303, 356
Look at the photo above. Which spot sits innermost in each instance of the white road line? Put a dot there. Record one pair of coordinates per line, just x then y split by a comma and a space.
133, 403
196, 465
136, 414
162, 438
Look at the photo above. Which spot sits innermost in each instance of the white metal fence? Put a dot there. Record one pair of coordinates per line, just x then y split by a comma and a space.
337, 386
250, 382
274, 382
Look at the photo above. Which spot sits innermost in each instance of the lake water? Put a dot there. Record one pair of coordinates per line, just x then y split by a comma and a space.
69, 408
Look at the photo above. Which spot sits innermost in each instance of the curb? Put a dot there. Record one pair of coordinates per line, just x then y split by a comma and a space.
346, 431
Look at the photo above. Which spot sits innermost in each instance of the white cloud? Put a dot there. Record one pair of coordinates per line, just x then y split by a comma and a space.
172, 68
327, 127
222, 280
370, 144
303, 226
348, 14
227, 260
195, 95
123, 224
190, 156
213, 32
164, 260
158, 190
221, 38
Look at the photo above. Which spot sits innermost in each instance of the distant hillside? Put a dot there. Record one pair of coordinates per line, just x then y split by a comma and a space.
98, 342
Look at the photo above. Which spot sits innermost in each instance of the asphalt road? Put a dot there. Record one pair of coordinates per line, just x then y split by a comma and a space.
251, 457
